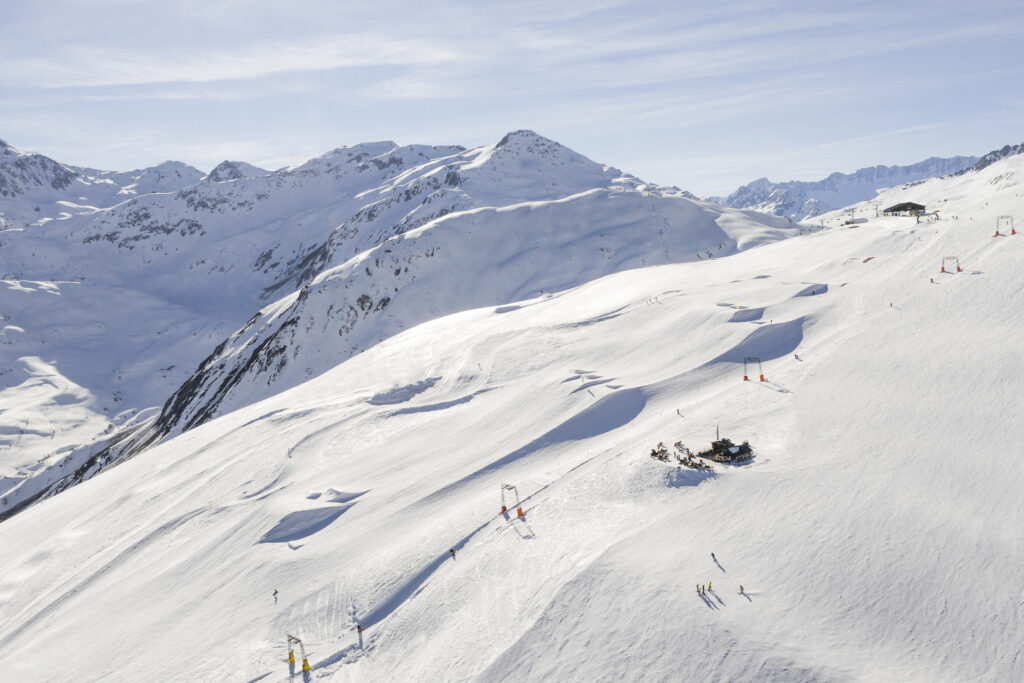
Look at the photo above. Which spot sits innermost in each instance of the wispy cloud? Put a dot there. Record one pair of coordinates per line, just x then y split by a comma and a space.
93, 65
880, 136
633, 79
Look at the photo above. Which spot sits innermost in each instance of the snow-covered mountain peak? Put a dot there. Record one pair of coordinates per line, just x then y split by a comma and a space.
31, 174
360, 151
234, 170
527, 143
384, 157
525, 166
528, 139
169, 176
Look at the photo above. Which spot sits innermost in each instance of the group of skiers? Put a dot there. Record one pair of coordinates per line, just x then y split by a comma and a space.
659, 453
683, 456
703, 590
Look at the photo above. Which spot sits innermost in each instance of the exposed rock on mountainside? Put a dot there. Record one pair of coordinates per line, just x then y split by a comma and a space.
994, 156
30, 175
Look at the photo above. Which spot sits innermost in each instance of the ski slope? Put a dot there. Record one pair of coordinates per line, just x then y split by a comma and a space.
876, 533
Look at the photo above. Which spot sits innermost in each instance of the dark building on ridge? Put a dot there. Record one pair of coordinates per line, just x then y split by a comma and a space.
905, 207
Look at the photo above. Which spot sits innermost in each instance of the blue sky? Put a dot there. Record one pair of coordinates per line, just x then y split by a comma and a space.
703, 95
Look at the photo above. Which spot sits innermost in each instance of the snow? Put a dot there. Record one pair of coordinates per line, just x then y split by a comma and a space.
876, 532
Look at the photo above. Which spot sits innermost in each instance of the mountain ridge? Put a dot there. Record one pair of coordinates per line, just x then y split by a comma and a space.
802, 200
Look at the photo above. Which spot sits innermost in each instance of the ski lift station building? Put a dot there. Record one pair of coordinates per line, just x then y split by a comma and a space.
905, 207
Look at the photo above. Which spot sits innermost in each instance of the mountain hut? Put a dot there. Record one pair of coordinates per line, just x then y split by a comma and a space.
905, 207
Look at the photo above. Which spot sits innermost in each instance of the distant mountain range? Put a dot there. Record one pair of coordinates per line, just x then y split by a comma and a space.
799, 200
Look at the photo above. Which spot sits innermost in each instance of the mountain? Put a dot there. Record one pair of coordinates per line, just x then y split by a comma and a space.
169, 176
228, 292
562, 220
35, 189
994, 156
234, 170
799, 200
30, 175
875, 536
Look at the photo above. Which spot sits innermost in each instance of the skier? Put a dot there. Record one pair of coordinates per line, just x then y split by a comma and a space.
796, 356
713, 557
698, 589
452, 551
741, 589
275, 596
709, 585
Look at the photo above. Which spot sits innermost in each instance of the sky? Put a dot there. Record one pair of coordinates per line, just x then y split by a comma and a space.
706, 96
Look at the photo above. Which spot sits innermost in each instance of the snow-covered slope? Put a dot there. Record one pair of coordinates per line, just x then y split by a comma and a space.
876, 535
323, 259
464, 259
801, 200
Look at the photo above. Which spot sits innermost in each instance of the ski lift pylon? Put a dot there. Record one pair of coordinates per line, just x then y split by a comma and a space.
513, 491
750, 360
1005, 222
302, 649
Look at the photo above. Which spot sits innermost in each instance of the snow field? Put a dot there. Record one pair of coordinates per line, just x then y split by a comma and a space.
876, 533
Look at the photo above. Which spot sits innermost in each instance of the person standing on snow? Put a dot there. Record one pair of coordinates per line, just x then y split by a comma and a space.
452, 551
